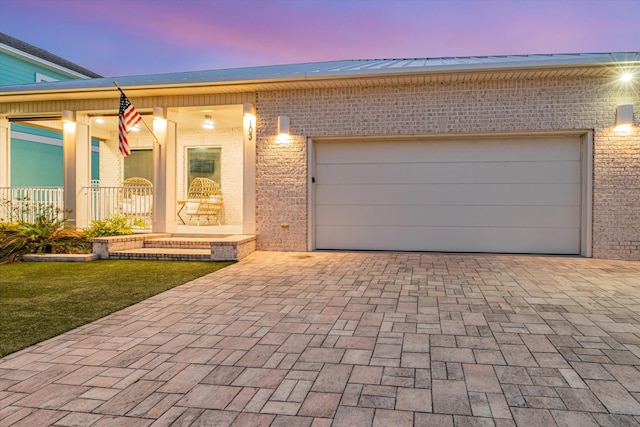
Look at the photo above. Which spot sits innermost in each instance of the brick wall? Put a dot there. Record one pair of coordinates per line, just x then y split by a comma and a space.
616, 194
549, 104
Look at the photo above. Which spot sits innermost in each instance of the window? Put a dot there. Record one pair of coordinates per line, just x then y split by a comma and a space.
44, 78
204, 162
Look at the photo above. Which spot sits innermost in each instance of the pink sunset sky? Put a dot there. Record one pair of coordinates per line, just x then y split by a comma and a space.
130, 37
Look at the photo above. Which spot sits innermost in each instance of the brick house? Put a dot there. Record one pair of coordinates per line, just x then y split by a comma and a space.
510, 154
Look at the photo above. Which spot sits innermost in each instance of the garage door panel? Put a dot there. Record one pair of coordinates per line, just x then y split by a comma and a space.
448, 216
449, 194
521, 195
442, 173
463, 239
560, 149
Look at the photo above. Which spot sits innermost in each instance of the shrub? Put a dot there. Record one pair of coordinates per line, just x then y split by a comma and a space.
46, 234
117, 225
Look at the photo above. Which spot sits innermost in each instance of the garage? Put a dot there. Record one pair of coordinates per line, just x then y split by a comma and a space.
504, 195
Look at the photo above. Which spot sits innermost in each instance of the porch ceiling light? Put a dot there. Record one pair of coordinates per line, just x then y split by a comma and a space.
624, 116
207, 123
68, 116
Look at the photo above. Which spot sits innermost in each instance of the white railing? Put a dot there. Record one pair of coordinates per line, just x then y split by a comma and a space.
134, 202
26, 203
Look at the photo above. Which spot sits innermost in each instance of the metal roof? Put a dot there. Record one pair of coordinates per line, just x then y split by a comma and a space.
295, 75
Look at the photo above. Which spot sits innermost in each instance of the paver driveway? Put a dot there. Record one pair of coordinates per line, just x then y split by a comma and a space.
351, 339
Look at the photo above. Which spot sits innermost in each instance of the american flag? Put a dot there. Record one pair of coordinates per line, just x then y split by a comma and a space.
127, 118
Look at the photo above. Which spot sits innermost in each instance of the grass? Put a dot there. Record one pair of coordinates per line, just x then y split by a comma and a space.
39, 300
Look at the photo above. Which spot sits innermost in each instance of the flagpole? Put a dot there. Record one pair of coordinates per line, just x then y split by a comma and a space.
141, 118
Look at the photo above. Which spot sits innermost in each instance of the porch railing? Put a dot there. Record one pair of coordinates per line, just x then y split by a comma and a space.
134, 202
26, 203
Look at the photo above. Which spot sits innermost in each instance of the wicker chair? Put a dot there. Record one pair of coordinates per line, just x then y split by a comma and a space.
136, 197
204, 200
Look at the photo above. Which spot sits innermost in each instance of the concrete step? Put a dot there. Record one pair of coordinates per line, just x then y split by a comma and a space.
165, 246
181, 242
163, 254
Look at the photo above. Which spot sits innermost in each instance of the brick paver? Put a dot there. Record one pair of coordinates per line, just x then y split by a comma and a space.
354, 339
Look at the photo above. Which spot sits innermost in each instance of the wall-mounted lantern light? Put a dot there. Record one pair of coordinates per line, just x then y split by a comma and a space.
159, 122
284, 126
159, 113
68, 116
284, 129
626, 77
624, 117
68, 120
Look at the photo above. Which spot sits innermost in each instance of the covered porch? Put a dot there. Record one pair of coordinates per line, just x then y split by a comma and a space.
213, 141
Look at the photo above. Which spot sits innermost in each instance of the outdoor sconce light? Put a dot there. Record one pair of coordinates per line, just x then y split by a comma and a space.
159, 122
159, 113
68, 120
249, 114
68, 116
283, 126
624, 117
284, 130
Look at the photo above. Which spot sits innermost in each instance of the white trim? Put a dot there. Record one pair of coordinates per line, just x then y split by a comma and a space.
448, 135
586, 226
36, 138
311, 195
43, 139
5, 152
249, 182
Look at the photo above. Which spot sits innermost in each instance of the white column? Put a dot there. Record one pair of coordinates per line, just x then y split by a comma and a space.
249, 176
5, 152
164, 175
76, 147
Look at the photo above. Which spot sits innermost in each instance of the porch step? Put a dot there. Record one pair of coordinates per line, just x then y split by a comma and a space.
182, 242
163, 254
169, 247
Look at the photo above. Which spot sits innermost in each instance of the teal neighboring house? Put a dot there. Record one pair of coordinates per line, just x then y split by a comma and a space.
36, 152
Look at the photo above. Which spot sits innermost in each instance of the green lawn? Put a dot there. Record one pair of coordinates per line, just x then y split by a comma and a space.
39, 300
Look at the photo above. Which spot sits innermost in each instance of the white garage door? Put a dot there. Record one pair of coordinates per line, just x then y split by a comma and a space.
479, 195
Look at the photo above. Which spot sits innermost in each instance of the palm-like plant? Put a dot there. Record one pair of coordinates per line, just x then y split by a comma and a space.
47, 234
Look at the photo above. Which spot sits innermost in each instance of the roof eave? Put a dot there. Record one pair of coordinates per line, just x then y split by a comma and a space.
137, 86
